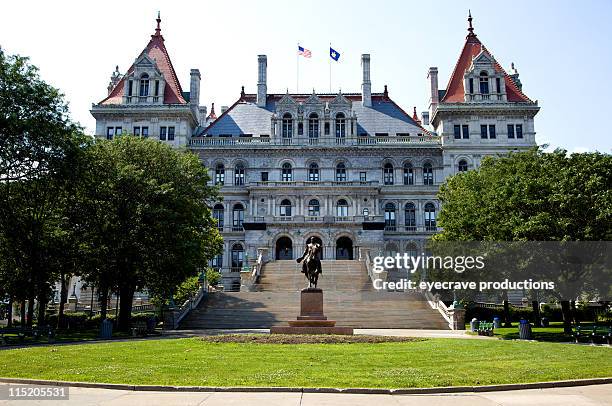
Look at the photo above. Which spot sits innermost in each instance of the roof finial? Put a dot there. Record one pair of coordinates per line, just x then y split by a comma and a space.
470, 27
386, 93
158, 29
242, 93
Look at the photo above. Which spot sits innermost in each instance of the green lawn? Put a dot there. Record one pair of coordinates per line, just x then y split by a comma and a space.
191, 361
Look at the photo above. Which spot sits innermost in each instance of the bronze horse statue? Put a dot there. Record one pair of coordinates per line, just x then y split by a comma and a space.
311, 266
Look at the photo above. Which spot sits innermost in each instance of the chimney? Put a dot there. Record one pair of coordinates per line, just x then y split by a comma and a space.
433, 84
194, 88
262, 74
366, 86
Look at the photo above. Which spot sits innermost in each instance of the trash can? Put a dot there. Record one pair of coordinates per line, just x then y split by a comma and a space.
496, 322
474, 325
544, 322
106, 329
524, 330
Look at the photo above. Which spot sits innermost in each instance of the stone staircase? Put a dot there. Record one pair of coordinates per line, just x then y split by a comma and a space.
349, 298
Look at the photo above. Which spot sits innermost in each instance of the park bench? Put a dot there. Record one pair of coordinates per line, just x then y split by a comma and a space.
594, 333
22, 333
139, 328
485, 329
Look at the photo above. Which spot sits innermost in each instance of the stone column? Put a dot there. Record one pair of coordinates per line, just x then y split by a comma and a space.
457, 315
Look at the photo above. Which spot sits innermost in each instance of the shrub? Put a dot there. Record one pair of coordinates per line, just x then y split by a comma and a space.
186, 290
144, 316
213, 277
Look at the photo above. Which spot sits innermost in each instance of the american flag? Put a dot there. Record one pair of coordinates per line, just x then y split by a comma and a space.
304, 52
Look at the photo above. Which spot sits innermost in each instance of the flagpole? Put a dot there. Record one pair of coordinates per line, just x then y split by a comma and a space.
297, 76
329, 68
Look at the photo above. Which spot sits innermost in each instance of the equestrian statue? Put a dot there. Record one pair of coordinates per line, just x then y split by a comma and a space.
311, 264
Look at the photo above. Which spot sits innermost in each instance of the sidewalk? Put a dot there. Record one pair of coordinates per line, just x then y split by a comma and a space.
579, 395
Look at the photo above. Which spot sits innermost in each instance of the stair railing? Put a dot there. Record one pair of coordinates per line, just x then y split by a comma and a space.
369, 263
436, 304
174, 316
249, 279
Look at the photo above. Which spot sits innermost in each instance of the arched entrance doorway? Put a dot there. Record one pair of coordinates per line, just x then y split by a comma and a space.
344, 248
284, 248
317, 240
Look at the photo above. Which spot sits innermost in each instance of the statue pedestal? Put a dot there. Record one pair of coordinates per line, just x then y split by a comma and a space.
311, 319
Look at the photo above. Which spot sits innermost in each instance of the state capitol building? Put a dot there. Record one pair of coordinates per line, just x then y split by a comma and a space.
356, 171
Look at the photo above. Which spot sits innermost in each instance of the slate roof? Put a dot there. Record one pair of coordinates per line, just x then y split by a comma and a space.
156, 50
245, 117
455, 93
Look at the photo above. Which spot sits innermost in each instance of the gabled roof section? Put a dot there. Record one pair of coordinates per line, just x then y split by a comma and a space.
154, 51
245, 117
455, 93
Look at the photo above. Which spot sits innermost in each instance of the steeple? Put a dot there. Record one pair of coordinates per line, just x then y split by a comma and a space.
158, 29
470, 27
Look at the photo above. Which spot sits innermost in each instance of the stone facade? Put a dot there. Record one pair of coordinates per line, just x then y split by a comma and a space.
353, 170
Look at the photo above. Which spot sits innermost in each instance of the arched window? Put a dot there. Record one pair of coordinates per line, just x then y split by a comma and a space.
428, 174
220, 174
412, 250
408, 174
285, 208
390, 218
313, 125
313, 172
366, 212
144, 85
218, 214
239, 175
287, 126
237, 217
237, 257
410, 217
314, 208
484, 82
286, 172
341, 172
462, 166
430, 217
391, 250
342, 208
340, 125
388, 174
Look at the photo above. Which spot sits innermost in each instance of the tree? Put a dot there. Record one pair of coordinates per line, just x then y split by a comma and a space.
146, 222
531, 196
38, 148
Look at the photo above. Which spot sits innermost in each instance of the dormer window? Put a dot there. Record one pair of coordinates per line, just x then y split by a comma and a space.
484, 83
287, 126
498, 85
157, 88
313, 126
340, 125
144, 85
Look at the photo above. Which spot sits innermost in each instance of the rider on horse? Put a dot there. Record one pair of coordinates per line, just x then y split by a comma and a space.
311, 266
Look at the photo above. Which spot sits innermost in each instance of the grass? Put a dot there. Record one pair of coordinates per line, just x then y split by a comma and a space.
193, 361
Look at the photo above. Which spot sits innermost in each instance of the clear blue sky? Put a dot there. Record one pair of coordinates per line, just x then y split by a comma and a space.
561, 49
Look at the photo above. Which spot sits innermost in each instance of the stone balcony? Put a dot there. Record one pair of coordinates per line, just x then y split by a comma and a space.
266, 142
